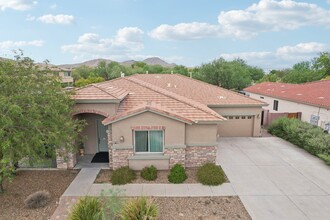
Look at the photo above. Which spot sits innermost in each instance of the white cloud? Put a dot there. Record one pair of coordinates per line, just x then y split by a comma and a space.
185, 31
282, 57
264, 16
20, 5
56, 19
18, 44
90, 45
301, 51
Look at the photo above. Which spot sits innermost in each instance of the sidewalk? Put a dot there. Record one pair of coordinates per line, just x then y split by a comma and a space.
83, 185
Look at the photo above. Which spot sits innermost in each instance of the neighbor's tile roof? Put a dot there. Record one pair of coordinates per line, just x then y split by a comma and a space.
314, 93
197, 90
100, 92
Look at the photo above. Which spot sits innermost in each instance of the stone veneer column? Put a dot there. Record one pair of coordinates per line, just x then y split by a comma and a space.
176, 155
66, 162
110, 146
198, 155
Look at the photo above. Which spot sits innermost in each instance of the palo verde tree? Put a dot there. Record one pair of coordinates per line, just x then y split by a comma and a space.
35, 115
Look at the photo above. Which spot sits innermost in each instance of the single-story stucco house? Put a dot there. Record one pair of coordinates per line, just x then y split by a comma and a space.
309, 102
161, 120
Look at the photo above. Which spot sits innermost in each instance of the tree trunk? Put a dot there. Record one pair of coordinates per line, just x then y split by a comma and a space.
1, 186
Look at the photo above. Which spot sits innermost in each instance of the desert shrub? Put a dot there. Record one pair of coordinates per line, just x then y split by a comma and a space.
140, 208
177, 174
87, 208
149, 173
210, 174
304, 135
122, 175
37, 199
113, 202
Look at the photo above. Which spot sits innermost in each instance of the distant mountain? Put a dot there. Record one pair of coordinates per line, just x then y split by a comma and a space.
90, 63
158, 61
93, 63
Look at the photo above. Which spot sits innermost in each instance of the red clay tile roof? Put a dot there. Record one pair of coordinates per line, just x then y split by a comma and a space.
197, 90
147, 106
314, 93
141, 92
99, 92
168, 94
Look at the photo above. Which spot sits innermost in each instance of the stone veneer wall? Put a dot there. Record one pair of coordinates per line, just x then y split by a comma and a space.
67, 162
120, 157
177, 155
197, 156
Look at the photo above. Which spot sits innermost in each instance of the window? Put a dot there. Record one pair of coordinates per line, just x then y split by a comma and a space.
237, 117
67, 73
231, 117
275, 105
249, 117
149, 141
262, 97
243, 117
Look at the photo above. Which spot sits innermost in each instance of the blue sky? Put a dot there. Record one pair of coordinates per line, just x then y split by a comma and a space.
267, 33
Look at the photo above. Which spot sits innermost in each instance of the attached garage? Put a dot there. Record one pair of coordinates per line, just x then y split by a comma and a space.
241, 121
236, 126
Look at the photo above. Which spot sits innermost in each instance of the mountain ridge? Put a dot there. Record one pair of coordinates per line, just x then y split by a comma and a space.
94, 63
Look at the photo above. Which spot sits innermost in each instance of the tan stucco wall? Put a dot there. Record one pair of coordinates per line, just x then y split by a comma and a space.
201, 135
90, 133
235, 126
174, 130
108, 108
288, 106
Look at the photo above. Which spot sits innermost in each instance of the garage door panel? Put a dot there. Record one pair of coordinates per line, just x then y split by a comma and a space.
236, 126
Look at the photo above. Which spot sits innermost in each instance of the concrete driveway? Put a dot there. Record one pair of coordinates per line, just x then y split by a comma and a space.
275, 179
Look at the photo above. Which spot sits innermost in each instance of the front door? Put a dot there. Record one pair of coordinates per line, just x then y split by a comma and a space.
102, 137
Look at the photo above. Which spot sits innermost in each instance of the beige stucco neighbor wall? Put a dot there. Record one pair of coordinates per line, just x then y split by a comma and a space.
288, 106
106, 108
237, 127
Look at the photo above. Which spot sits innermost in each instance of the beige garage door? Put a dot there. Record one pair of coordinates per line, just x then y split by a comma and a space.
236, 126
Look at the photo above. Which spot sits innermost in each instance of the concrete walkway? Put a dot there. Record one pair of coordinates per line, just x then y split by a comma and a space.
275, 179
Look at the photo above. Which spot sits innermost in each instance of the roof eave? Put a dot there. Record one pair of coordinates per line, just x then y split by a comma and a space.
236, 105
97, 101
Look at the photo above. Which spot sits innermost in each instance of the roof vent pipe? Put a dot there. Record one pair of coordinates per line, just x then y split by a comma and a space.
190, 73
171, 71
147, 72
122, 74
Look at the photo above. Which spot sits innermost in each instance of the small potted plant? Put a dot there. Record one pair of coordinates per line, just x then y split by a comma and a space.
81, 149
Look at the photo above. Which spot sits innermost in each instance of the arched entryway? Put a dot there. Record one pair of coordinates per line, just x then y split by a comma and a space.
94, 140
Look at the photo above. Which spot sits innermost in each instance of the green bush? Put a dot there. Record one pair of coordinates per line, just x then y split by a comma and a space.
37, 199
87, 208
149, 173
122, 175
177, 174
140, 208
304, 135
210, 174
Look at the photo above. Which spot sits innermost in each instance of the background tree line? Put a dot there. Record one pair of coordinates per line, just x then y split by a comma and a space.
234, 75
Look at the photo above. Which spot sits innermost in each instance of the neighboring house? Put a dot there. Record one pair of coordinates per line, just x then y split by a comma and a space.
309, 102
66, 76
161, 119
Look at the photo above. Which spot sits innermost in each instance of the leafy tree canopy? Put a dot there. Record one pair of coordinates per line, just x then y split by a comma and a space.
35, 114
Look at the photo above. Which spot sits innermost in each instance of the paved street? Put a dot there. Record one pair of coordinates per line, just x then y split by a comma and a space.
276, 180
